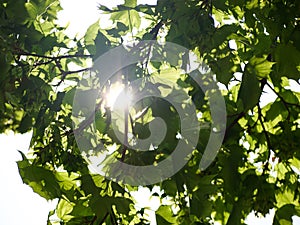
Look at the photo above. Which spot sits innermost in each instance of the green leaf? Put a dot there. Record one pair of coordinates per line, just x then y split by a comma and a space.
200, 206
100, 122
142, 130
4, 65
164, 215
81, 209
91, 33
65, 180
223, 34
69, 96
285, 196
230, 172
289, 96
47, 43
260, 66
31, 9
58, 101
122, 204
26, 124
287, 58
160, 220
41, 180
130, 18
246, 175
249, 91
224, 69
295, 162
63, 210
283, 215
130, 3
102, 44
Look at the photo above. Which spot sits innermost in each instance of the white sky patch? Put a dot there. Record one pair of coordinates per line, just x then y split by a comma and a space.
79, 14
267, 96
232, 44
149, 2
19, 204
252, 219
294, 85
144, 199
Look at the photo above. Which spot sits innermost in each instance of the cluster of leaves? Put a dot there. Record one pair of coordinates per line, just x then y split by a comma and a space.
252, 46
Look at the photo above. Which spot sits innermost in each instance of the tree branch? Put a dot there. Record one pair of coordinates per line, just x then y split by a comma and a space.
65, 73
156, 29
23, 53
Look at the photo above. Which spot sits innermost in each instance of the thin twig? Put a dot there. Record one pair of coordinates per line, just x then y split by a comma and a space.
86, 122
282, 99
104, 218
93, 220
65, 73
260, 116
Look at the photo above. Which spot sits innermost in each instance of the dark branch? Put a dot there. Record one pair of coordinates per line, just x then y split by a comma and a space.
156, 29
22, 53
65, 73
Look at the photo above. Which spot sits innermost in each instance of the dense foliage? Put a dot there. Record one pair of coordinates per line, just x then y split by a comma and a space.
252, 46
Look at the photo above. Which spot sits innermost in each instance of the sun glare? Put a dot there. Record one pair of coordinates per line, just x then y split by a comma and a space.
117, 96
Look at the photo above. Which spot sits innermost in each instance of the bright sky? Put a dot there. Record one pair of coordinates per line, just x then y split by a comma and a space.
19, 204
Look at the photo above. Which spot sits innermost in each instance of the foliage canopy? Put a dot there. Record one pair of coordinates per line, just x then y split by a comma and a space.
252, 46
